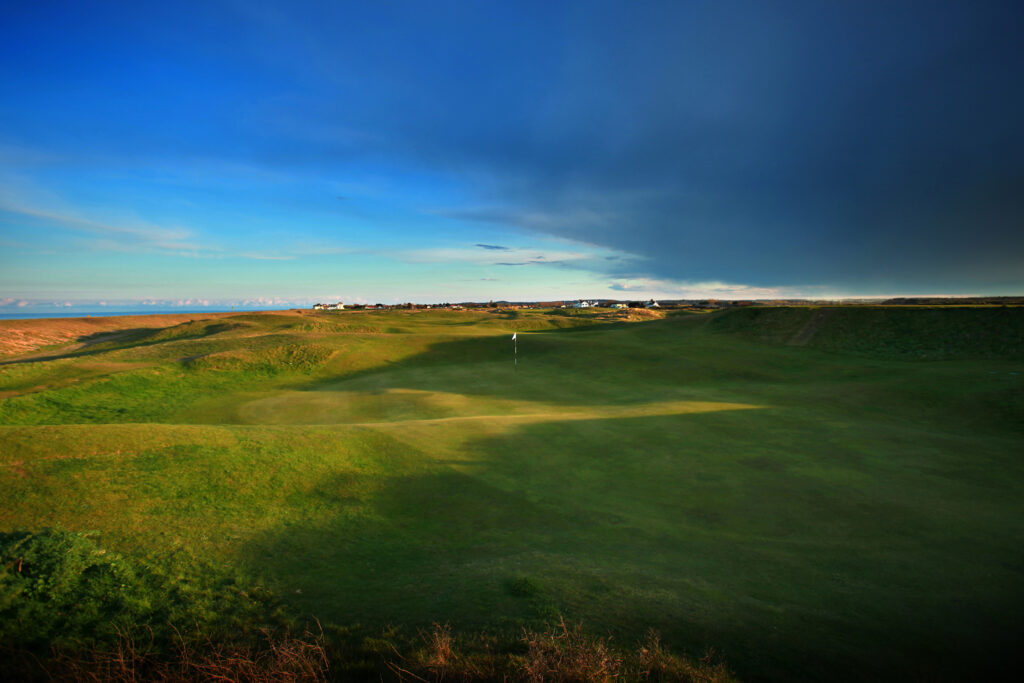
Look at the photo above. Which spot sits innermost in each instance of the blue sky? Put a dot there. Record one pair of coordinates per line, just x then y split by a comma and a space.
268, 154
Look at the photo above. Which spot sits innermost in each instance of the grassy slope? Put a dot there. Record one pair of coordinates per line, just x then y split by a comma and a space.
942, 333
807, 512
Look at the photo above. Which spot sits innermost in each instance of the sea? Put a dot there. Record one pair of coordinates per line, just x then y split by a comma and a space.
25, 315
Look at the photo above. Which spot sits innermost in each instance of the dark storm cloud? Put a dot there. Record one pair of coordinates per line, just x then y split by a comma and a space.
865, 146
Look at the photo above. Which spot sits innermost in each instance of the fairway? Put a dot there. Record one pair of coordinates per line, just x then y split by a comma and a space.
813, 495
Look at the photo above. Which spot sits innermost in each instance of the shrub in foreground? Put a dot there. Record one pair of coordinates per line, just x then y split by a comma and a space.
559, 654
273, 657
71, 610
59, 587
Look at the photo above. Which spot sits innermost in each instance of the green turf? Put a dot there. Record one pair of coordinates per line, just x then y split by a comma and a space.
805, 494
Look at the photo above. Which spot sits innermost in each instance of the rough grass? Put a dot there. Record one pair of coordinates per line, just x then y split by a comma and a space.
61, 588
809, 511
942, 333
559, 653
277, 658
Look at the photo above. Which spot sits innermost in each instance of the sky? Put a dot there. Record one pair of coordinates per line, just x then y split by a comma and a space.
269, 154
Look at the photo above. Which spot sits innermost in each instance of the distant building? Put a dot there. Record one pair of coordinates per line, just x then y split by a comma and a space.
652, 304
582, 303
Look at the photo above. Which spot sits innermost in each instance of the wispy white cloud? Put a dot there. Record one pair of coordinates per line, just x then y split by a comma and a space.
266, 257
541, 220
681, 289
20, 155
134, 236
323, 249
159, 236
488, 256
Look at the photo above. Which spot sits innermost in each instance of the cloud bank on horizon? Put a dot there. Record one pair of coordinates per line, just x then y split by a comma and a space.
510, 150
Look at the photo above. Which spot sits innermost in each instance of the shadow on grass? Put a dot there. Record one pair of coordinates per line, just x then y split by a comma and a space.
627, 524
549, 365
437, 539
106, 342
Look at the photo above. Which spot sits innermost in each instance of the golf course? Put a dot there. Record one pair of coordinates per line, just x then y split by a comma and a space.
810, 493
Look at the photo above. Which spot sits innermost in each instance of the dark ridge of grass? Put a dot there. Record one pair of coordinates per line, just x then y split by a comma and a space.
918, 333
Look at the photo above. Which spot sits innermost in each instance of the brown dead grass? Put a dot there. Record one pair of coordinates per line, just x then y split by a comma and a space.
24, 336
273, 658
560, 654
641, 314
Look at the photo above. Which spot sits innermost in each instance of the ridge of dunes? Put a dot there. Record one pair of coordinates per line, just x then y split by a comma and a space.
909, 332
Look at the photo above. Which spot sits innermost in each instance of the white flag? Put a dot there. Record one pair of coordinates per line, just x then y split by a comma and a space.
513, 336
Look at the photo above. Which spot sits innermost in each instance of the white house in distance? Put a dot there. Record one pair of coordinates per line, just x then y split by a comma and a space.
582, 303
652, 304
329, 307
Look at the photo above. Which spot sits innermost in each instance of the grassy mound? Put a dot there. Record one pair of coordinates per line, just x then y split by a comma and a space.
62, 588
